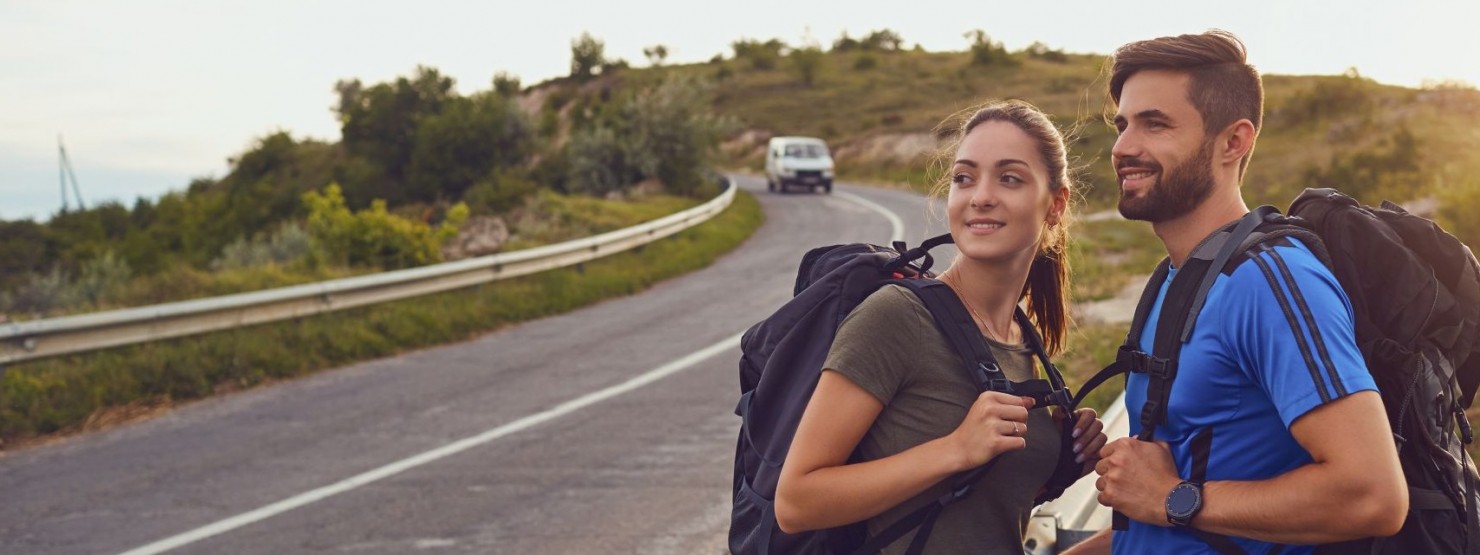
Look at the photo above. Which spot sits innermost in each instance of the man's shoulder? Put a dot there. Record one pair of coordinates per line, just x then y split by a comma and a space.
1281, 261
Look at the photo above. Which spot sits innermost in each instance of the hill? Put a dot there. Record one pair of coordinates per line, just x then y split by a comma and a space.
879, 109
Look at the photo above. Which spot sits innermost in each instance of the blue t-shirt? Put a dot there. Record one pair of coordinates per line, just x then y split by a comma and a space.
1275, 339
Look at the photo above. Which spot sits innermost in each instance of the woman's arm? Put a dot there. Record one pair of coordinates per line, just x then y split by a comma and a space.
817, 489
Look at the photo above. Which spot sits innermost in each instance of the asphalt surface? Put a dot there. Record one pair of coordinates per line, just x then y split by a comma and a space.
642, 470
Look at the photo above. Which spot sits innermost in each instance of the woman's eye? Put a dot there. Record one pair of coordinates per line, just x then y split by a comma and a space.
960, 178
1011, 179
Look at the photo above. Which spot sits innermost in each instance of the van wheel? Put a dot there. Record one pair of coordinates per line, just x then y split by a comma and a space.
827, 189
770, 186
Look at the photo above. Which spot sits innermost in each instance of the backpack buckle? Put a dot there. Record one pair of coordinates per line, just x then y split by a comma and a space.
1157, 367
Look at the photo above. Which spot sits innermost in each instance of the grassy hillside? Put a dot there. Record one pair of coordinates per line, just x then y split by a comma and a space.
878, 109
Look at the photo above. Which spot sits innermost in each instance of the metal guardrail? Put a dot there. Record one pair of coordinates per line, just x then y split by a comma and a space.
1077, 513
36, 339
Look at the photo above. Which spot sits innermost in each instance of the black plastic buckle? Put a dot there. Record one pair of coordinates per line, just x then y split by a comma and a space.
1158, 367
1000, 385
1061, 398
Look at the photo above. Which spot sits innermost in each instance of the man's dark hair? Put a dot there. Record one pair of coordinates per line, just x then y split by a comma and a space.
1223, 86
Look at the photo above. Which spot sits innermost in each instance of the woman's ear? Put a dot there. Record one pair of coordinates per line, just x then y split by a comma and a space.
1060, 204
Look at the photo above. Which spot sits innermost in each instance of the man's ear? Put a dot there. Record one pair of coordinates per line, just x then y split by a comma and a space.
1237, 142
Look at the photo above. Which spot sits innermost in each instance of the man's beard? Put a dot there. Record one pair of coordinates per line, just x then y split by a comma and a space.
1175, 193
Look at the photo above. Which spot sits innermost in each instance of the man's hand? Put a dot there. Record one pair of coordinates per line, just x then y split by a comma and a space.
1135, 478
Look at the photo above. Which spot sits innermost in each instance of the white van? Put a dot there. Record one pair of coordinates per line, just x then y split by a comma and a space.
801, 161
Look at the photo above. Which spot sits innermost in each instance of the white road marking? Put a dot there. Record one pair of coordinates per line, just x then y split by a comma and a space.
894, 221
268, 511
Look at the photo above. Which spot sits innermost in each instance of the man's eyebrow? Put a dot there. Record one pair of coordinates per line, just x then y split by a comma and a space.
1152, 114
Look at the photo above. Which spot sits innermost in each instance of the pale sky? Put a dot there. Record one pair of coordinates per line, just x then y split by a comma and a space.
150, 93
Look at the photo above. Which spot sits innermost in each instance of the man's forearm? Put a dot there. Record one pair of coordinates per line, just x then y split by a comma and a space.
1308, 505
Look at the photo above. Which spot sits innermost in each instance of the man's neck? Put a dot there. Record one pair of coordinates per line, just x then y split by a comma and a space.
1181, 235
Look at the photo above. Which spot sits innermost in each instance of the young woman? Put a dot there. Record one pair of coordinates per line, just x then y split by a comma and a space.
894, 389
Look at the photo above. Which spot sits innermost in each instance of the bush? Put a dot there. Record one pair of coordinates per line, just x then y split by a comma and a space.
468, 139
865, 62
987, 52
289, 243
502, 190
375, 237
1041, 51
665, 132
807, 62
40, 294
100, 277
762, 55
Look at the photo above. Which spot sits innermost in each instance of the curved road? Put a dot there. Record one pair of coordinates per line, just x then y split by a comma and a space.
532, 439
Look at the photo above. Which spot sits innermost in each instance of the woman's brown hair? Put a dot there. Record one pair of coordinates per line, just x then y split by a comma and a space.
1047, 288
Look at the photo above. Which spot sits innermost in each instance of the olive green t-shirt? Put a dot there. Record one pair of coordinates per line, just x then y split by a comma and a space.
890, 347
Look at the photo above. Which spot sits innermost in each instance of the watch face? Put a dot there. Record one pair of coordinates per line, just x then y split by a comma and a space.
1183, 500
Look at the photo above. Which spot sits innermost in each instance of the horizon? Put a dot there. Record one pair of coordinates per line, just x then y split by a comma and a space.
148, 96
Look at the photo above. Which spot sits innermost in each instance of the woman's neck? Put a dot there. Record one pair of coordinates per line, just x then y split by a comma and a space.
991, 291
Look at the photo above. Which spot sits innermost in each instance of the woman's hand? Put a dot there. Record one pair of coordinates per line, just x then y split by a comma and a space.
1089, 437
997, 423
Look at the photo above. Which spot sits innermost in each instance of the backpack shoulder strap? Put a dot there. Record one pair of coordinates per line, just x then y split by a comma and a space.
955, 323
1126, 358
1180, 308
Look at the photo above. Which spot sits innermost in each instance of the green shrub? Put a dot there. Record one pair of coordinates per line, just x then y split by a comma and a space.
987, 52
288, 244
807, 62
502, 190
374, 237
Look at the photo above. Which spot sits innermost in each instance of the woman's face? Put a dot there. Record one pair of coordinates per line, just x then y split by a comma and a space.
999, 197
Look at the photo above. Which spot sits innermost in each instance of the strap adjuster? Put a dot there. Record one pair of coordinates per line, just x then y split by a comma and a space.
1157, 367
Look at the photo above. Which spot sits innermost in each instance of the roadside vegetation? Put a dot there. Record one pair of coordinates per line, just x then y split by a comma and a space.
84, 391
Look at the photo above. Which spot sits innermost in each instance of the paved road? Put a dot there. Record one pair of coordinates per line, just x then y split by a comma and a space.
641, 470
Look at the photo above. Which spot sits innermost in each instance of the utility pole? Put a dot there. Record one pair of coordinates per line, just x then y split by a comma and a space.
65, 170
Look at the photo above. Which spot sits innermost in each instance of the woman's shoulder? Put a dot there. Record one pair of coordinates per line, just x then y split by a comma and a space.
888, 308
895, 300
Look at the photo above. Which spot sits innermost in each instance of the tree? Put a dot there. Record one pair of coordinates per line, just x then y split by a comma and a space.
463, 143
587, 54
882, 40
665, 132
807, 61
845, 43
986, 52
656, 54
380, 124
762, 55
506, 84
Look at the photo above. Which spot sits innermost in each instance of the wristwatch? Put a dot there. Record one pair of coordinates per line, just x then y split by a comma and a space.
1183, 503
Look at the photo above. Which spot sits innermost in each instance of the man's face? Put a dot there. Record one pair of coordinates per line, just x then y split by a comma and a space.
1163, 159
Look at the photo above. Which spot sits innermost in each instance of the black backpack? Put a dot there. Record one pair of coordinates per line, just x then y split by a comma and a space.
1415, 294
781, 361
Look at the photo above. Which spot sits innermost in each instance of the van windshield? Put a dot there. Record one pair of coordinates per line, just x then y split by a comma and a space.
806, 151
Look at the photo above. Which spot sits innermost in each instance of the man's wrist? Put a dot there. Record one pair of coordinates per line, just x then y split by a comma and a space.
1183, 503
